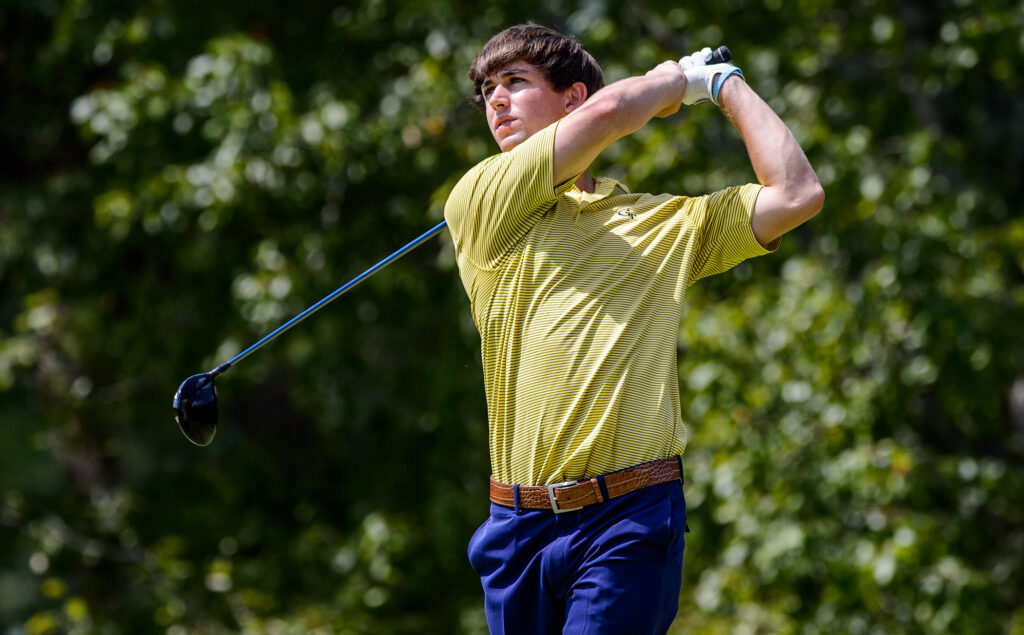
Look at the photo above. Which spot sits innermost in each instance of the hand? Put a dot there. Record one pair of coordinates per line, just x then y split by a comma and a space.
671, 72
703, 80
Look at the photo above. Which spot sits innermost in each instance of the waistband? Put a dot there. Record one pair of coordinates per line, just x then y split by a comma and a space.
574, 495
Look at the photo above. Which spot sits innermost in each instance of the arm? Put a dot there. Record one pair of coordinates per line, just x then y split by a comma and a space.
791, 193
613, 112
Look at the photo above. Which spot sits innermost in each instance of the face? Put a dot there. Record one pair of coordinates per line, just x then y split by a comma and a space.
519, 101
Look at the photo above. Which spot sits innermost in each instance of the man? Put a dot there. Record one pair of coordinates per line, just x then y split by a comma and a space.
576, 286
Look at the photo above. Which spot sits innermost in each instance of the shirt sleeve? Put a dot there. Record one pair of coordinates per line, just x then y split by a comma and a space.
499, 200
724, 235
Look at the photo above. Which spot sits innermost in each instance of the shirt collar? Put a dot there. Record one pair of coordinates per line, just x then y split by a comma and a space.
603, 187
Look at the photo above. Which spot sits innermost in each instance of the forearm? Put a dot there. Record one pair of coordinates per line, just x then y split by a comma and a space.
792, 193
774, 154
634, 101
613, 112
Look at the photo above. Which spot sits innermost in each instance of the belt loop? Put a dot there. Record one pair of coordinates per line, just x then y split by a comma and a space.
604, 490
515, 498
681, 479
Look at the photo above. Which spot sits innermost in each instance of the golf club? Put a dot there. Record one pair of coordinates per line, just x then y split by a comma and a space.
195, 402
720, 55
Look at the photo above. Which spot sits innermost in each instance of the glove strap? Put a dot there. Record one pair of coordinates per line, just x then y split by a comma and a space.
735, 70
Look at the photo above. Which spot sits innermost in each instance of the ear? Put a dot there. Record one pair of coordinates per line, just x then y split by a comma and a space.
575, 95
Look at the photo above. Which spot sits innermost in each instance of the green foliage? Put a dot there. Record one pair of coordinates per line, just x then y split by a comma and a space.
184, 177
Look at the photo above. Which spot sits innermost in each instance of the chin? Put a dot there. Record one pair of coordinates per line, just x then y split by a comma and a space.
509, 142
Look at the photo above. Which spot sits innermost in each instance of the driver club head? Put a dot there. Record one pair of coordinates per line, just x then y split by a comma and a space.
195, 405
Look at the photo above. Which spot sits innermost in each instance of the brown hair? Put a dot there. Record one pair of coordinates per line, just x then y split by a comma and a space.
559, 57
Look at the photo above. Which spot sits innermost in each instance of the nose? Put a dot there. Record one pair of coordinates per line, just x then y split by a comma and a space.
498, 97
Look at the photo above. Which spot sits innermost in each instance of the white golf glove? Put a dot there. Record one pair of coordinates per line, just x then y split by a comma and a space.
703, 80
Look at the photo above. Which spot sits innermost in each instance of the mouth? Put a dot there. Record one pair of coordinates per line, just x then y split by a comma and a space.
503, 123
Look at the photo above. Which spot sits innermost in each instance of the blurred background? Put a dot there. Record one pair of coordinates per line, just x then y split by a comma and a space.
179, 178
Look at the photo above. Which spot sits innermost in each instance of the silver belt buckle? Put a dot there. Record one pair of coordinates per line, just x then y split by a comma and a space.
554, 503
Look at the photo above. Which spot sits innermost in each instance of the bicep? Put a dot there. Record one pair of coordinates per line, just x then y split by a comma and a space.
777, 211
768, 220
723, 226
580, 137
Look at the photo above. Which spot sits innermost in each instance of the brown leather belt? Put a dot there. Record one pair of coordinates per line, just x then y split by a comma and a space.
573, 495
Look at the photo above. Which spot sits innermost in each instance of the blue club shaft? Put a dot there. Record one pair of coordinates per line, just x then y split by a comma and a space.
414, 243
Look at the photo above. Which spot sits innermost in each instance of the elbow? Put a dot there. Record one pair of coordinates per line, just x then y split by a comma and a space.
808, 200
777, 210
814, 199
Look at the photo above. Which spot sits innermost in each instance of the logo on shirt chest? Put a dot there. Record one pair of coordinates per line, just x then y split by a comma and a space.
628, 213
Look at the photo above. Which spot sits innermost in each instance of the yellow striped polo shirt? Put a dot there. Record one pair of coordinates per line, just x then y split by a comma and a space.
578, 297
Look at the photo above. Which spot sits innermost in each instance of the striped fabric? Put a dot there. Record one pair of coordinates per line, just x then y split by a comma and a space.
578, 297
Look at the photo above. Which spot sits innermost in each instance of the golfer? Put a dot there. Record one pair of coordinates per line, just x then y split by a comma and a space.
576, 286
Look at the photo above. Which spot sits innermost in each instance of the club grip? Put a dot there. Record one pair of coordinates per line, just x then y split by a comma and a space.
720, 55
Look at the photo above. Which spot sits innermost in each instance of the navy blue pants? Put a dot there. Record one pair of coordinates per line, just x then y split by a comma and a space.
615, 567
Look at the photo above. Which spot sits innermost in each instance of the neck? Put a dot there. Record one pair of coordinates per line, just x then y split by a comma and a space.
585, 182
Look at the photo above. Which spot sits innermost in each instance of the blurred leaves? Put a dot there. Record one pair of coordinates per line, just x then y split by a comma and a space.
184, 177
